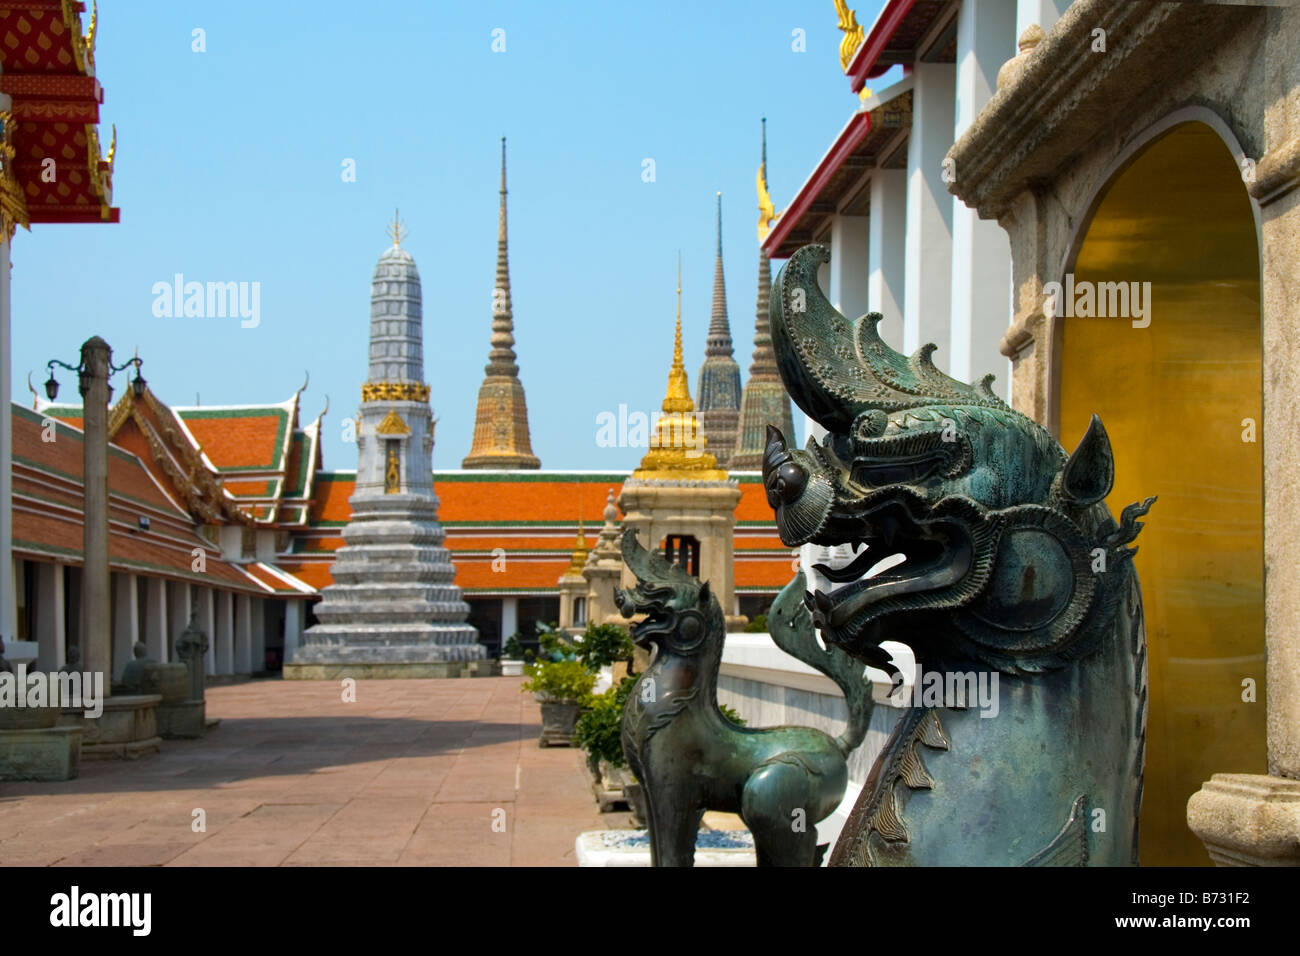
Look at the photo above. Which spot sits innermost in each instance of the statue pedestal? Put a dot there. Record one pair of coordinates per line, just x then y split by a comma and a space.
127, 729
632, 848
1247, 819
184, 720
40, 753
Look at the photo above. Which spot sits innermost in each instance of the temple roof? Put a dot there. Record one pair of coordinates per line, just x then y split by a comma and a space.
47, 66
48, 508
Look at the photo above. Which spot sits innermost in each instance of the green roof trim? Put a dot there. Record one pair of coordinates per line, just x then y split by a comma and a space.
277, 460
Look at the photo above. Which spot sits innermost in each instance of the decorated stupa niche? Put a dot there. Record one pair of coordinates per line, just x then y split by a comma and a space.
393, 609
501, 437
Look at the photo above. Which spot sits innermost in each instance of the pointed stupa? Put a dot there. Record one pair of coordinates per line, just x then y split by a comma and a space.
765, 401
393, 609
719, 389
501, 438
677, 447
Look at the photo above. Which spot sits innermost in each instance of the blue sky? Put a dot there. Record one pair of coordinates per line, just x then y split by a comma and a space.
229, 169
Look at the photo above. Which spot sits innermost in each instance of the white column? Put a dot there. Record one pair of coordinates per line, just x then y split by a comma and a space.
849, 270
225, 642
292, 628
981, 250
126, 621
886, 276
928, 249
1043, 12
509, 618
155, 618
8, 588
51, 626
243, 634
208, 622
178, 614
257, 637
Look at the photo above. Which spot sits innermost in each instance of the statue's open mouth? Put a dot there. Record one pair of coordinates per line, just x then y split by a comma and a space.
659, 616
933, 571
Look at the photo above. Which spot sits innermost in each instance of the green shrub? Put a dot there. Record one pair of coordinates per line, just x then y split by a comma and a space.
731, 715
758, 625
603, 644
559, 680
599, 729
513, 649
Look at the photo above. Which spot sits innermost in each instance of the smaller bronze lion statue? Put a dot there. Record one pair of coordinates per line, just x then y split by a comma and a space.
690, 758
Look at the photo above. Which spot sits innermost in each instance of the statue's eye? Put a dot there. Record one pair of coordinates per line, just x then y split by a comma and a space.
786, 485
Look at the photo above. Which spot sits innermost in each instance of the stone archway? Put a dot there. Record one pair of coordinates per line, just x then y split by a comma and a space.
1177, 380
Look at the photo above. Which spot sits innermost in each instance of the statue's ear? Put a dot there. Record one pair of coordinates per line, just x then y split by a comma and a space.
1089, 474
704, 594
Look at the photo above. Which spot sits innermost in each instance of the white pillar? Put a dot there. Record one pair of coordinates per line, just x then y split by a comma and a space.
208, 622
155, 618
1045, 13
126, 622
225, 642
292, 628
981, 250
179, 601
509, 618
8, 588
886, 274
257, 636
243, 634
928, 249
849, 269
51, 625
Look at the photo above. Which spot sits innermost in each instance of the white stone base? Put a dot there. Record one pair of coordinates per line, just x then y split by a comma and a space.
593, 849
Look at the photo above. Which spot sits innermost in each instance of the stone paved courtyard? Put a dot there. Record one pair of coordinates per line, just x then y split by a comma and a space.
409, 774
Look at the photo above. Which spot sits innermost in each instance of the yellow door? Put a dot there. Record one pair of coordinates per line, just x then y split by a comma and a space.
1182, 402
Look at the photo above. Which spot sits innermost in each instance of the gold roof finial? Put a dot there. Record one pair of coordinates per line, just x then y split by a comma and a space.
852, 30
397, 231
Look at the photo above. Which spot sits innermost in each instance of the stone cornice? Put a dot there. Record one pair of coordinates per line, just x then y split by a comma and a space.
1064, 93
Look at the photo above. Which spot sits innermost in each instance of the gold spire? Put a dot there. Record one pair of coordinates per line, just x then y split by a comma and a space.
397, 232
852, 30
677, 445
501, 436
580, 551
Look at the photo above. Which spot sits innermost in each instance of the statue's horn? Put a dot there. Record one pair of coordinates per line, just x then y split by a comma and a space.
803, 322
836, 369
646, 565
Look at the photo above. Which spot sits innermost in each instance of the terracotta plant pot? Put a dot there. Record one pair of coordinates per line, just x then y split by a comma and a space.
559, 717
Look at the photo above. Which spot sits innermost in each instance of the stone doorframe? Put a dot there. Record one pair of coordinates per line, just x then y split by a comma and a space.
1038, 159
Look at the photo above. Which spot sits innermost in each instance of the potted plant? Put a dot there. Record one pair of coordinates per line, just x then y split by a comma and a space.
599, 732
512, 656
560, 687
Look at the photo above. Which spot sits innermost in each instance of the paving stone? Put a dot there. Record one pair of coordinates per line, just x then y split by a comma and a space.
412, 773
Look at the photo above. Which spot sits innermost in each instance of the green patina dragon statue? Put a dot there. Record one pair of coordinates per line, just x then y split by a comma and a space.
1012, 567
690, 758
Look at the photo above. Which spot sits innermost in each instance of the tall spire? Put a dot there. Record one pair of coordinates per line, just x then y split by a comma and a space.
501, 437
677, 447
765, 400
720, 375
